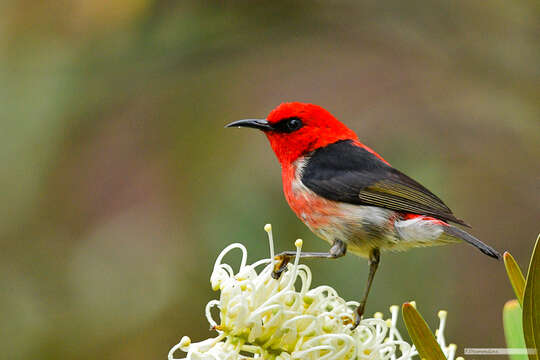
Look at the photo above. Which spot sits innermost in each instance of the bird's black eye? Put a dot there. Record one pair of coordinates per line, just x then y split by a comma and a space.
294, 124
288, 125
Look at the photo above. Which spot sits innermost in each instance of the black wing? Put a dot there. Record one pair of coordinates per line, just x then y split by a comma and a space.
348, 173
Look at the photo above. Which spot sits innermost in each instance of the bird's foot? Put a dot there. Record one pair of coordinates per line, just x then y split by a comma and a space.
356, 322
359, 313
280, 266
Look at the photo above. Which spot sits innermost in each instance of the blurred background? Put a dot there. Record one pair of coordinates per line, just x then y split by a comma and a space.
120, 185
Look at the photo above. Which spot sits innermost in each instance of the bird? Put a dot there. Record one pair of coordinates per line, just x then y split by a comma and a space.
349, 195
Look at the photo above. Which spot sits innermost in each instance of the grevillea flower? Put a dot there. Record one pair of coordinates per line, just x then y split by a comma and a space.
284, 319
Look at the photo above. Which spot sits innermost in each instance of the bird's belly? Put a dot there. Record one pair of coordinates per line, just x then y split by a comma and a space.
362, 228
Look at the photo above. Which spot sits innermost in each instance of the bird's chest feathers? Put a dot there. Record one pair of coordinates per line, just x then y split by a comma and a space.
355, 224
314, 210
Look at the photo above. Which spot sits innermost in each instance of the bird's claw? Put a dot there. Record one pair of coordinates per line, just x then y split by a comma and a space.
280, 266
357, 319
347, 320
359, 313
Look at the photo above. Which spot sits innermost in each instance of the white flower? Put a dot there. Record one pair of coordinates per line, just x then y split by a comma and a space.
284, 319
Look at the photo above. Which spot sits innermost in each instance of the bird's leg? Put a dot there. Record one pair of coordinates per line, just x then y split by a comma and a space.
374, 257
338, 249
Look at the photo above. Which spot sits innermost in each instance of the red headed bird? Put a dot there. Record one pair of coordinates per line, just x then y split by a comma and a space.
348, 195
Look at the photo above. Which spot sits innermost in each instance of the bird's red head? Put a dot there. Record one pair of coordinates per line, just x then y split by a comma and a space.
295, 129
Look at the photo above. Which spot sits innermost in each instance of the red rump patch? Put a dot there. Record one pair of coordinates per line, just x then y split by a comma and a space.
409, 216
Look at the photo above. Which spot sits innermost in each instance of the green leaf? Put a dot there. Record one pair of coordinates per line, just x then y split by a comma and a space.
531, 304
513, 328
421, 335
515, 275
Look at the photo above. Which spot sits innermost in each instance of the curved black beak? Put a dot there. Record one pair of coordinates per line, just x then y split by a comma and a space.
260, 124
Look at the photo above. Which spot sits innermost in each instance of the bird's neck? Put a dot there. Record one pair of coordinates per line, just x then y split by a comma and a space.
289, 150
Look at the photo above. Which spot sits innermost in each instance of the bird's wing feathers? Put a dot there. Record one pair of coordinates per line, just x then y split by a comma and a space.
411, 197
349, 173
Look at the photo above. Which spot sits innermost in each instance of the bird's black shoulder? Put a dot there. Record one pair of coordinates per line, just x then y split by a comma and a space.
339, 170
345, 172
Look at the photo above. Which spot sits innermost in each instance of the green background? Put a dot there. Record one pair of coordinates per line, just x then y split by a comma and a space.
119, 184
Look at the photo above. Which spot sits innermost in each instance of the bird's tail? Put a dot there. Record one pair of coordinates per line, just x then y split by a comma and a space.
460, 234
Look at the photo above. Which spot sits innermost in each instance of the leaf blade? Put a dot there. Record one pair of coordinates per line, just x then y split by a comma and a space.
513, 328
420, 334
531, 304
515, 275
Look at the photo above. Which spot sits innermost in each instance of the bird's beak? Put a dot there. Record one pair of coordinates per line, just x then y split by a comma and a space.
260, 124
